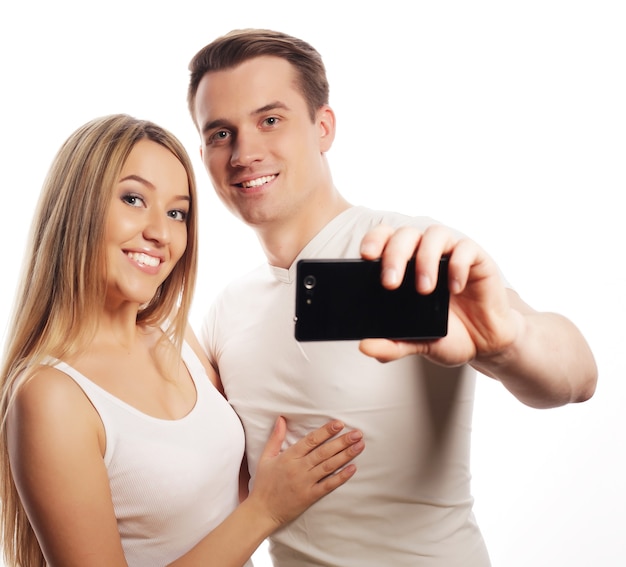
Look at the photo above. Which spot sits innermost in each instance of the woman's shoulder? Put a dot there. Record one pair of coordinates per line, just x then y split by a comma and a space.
48, 382
48, 396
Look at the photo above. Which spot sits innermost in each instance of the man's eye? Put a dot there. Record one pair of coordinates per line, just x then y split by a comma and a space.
219, 136
271, 121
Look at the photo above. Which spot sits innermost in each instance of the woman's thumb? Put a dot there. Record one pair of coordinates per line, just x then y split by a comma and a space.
275, 442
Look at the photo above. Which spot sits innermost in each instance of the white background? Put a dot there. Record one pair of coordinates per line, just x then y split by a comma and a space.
503, 119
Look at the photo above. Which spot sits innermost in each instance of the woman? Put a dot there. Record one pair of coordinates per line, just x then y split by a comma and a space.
117, 447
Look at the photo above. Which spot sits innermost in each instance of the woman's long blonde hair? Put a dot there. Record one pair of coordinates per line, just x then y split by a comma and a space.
62, 284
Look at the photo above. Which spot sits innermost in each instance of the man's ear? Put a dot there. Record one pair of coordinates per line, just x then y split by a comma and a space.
325, 119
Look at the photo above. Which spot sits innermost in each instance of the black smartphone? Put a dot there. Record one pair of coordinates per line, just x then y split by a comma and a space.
345, 300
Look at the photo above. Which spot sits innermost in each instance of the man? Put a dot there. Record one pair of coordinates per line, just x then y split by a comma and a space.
260, 102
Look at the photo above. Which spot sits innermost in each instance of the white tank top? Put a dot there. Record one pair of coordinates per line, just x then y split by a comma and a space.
172, 481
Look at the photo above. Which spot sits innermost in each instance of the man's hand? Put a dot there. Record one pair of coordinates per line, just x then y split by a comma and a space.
542, 358
481, 321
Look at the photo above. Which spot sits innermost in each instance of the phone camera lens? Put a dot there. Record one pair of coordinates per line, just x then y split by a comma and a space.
309, 282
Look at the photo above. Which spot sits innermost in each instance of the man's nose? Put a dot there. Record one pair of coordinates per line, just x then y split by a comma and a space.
247, 149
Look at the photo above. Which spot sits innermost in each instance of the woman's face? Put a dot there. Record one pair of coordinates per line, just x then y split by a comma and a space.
146, 229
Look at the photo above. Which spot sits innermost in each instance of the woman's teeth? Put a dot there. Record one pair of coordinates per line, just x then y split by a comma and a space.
144, 259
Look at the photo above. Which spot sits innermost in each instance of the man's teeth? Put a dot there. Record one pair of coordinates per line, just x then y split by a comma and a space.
144, 259
258, 181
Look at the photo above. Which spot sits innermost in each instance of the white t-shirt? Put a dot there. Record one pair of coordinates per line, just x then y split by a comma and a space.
172, 481
409, 503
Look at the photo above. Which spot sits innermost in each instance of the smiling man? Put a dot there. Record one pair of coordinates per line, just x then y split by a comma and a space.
265, 154
259, 99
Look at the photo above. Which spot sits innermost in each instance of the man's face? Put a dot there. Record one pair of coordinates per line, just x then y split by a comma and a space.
262, 151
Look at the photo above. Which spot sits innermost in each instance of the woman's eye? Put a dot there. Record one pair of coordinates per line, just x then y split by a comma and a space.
132, 200
178, 215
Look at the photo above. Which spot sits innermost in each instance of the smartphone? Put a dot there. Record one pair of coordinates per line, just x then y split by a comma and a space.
345, 300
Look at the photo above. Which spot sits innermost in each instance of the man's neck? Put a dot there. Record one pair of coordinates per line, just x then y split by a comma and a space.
282, 243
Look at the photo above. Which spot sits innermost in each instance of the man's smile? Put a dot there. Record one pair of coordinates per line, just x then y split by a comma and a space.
258, 182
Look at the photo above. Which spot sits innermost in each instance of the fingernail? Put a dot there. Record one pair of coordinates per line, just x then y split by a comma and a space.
455, 286
390, 276
358, 447
337, 426
355, 435
424, 282
367, 249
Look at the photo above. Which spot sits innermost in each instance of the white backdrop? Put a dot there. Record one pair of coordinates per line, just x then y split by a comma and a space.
503, 119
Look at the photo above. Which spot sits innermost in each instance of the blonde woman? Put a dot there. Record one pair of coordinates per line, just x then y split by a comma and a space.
117, 446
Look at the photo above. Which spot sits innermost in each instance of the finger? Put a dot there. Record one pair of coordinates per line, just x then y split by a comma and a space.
436, 241
400, 248
374, 241
276, 439
338, 460
314, 439
333, 481
386, 350
325, 453
464, 257
334, 471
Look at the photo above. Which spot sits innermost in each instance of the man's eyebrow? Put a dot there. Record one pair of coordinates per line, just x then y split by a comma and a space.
223, 123
217, 123
276, 105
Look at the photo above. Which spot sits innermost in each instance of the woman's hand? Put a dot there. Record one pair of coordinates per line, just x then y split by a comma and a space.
288, 482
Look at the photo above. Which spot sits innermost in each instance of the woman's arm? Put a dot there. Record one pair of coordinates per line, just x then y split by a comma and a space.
56, 443
56, 447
